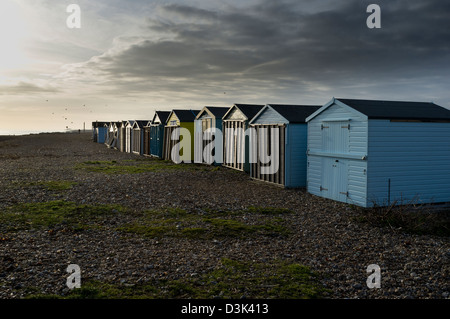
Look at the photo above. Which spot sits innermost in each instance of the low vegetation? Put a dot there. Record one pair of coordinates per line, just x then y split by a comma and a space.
207, 224
60, 185
139, 165
52, 213
231, 279
411, 218
168, 222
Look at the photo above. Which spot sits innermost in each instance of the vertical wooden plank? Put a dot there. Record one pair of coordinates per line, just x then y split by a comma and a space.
269, 151
282, 158
261, 149
166, 141
227, 143
258, 163
264, 149
269, 176
276, 156
230, 144
238, 145
253, 145
228, 150
236, 149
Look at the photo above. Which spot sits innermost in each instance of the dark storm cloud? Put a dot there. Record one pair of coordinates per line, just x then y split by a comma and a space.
280, 44
191, 12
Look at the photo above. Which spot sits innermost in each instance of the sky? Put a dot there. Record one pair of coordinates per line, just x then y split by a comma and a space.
130, 58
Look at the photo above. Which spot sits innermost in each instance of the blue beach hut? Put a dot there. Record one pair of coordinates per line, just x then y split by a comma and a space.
377, 153
99, 131
157, 133
280, 134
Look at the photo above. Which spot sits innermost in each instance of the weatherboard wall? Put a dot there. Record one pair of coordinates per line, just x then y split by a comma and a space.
156, 140
137, 144
157, 134
122, 137
147, 138
295, 155
172, 140
414, 156
292, 153
202, 138
102, 132
128, 137
236, 142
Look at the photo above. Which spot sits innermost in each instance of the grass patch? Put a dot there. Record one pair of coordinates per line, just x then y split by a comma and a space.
278, 279
230, 279
137, 166
57, 185
49, 185
209, 224
414, 219
50, 214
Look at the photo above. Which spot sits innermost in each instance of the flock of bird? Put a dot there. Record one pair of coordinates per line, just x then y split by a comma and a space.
65, 116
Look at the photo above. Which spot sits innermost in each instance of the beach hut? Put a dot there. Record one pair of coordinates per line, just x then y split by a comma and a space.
94, 131
118, 134
99, 131
129, 136
147, 131
102, 132
179, 119
235, 138
157, 133
208, 118
109, 133
121, 135
377, 153
137, 146
278, 147
111, 139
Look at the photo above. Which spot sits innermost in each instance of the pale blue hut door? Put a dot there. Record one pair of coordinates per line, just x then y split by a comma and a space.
334, 179
335, 140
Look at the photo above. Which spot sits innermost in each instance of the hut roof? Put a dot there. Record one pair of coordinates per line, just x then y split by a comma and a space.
140, 123
249, 110
163, 115
99, 124
295, 113
380, 109
217, 111
186, 115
